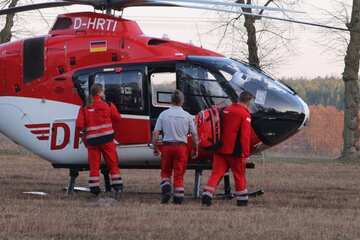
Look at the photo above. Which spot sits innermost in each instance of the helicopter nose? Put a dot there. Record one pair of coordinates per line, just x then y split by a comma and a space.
282, 115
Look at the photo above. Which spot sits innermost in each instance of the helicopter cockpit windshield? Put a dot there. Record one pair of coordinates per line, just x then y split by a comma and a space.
277, 111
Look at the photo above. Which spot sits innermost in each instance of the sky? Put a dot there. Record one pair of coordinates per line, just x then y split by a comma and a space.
307, 58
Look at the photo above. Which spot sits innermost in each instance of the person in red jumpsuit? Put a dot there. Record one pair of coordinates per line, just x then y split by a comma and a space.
234, 151
96, 120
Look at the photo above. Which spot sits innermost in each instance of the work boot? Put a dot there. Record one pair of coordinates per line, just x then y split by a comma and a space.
206, 199
95, 190
242, 203
178, 200
165, 193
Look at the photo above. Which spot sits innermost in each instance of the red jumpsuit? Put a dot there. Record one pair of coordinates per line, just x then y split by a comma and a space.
97, 121
174, 157
236, 132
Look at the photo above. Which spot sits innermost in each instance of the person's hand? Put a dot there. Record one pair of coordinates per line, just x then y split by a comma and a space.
195, 153
156, 152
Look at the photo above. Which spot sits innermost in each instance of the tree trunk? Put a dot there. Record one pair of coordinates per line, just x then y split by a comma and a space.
351, 148
249, 24
6, 33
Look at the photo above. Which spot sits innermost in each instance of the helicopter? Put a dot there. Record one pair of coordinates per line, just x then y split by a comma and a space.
46, 79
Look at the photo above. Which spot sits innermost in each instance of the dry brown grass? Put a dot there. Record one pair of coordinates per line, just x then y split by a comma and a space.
303, 200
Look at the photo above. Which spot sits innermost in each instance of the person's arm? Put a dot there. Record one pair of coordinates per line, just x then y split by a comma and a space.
80, 120
115, 115
195, 138
155, 141
156, 133
245, 138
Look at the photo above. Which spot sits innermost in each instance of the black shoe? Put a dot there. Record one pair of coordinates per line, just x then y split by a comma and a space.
242, 203
178, 200
166, 193
95, 190
206, 200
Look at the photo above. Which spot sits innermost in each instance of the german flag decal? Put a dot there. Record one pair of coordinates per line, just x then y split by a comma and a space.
98, 46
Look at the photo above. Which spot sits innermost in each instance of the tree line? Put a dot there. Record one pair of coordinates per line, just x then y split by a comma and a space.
324, 91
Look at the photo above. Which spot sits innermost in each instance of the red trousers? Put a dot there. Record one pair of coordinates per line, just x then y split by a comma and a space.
94, 155
221, 164
174, 157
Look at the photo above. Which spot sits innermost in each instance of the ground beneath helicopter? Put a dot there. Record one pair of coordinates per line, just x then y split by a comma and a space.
312, 199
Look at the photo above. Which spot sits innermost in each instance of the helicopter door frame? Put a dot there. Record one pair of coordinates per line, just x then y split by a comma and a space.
123, 84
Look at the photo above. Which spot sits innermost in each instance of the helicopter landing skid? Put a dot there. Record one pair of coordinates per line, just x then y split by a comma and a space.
251, 194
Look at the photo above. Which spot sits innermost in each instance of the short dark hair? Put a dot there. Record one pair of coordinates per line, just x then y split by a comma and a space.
245, 97
177, 98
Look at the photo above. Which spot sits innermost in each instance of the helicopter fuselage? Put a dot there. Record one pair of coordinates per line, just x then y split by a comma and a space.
45, 80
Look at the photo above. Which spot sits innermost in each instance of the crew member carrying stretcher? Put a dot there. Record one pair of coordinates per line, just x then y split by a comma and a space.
175, 125
234, 151
95, 120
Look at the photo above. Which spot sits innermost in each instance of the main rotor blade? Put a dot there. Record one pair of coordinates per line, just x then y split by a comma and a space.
179, 3
35, 6
196, 4
231, 4
239, 11
299, 22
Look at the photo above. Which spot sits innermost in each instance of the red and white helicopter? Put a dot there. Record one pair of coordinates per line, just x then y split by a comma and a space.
44, 80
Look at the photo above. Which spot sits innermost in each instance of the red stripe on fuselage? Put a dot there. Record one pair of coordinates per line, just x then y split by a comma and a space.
43, 138
40, 132
40, 125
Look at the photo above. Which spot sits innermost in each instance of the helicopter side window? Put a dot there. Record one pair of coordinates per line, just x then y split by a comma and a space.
124, 89
163, 84
201, 88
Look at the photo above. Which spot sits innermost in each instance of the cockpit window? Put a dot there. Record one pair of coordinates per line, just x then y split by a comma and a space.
201, 87
124, 89
241, 73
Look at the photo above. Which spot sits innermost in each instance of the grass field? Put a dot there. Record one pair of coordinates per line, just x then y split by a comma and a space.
303, 200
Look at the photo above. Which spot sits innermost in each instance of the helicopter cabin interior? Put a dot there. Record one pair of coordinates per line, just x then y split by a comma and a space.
142, 91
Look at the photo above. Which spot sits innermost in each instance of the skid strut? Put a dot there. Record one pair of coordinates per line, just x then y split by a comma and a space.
197, 185
227, 185
105, 173
73, 173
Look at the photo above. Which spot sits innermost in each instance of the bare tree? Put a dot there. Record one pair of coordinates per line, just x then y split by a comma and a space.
351, 148
337, 42
6, 32
265, 42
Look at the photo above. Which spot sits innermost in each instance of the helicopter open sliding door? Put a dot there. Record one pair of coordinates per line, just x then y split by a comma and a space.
126, 88
202, 87
162, 79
